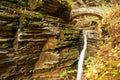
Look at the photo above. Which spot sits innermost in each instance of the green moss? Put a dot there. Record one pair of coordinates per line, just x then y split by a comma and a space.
32, 14
36, 14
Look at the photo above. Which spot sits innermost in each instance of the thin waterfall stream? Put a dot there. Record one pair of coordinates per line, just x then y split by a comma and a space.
81, 58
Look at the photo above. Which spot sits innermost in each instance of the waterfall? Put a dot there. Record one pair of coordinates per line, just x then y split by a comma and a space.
81, 58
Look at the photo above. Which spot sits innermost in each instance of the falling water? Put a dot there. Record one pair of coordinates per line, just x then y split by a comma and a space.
81, 58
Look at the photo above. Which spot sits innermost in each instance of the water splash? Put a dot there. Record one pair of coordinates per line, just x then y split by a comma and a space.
81, 59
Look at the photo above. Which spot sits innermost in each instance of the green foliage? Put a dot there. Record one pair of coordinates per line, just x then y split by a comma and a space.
113, 63
70, 2
66, 72
90, 61
37, 14
67, 3
115, 72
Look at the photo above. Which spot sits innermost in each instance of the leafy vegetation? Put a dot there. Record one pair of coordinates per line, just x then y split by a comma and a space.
67, 72
103, 65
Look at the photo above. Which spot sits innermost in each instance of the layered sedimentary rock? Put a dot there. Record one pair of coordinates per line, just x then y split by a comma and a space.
36, 46
31, 44
59, 52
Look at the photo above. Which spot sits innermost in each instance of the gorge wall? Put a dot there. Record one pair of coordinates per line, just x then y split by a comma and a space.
35, 46
32, 45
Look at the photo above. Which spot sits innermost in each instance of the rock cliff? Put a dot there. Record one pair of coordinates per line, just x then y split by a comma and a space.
33, 45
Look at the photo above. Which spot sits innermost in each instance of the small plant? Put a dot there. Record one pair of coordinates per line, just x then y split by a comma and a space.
67, 72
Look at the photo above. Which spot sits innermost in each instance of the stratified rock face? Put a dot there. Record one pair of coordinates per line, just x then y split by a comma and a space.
56, 43
58, 8
60, 50
31, 44
17, 56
